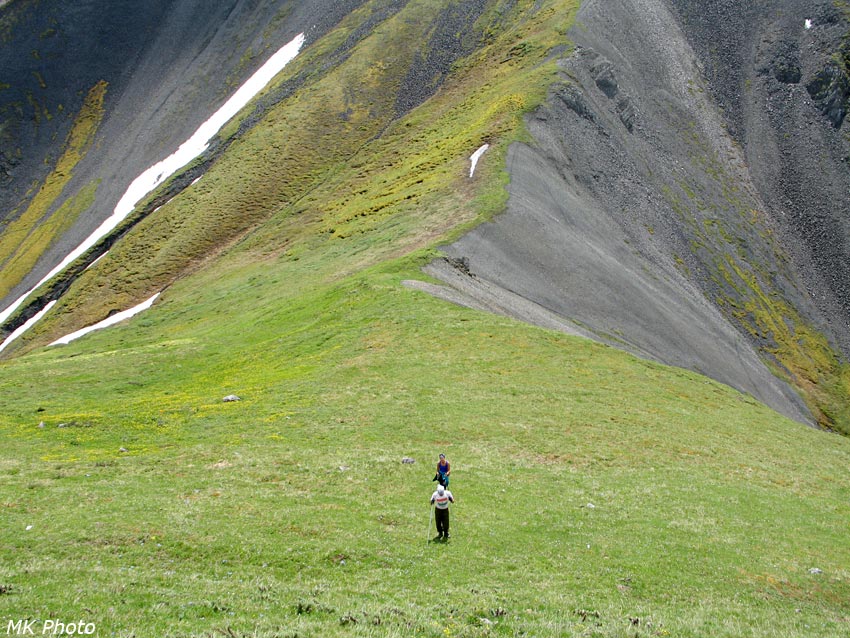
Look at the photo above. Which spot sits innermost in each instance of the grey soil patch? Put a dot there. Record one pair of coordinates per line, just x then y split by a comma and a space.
630, 203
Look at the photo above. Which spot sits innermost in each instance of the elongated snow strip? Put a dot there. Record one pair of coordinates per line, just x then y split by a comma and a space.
109, 321
29, 324
189, 150
475, 157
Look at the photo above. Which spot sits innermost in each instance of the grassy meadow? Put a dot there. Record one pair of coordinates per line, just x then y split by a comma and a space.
597, 494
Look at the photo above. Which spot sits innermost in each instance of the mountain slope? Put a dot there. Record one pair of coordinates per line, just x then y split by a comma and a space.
637, 216
597, 493
697, 266
593, 488
164, 67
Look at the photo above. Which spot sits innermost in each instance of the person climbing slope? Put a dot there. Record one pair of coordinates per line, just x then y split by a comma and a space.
444, 468
440, 499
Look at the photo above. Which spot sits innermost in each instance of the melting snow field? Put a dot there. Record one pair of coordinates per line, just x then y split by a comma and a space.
198, 143
159, 172
475, 157
110, 321
29, 324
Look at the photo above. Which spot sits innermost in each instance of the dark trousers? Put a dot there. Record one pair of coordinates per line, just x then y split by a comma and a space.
442, 517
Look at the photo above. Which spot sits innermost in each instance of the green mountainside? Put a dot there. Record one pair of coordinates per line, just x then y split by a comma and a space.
597, 494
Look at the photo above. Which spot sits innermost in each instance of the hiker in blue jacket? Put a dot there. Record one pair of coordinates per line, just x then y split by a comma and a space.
444, 468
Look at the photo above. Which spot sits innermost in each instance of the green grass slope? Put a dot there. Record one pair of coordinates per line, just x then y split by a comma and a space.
597, 494
159, 510
333, 160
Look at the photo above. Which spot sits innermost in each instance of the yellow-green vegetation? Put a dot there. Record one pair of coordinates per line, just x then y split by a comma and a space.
747, 293
27, 237
597, 494
803, 353
333, 162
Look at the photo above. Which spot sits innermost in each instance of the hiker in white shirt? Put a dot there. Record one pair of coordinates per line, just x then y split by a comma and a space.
440, 500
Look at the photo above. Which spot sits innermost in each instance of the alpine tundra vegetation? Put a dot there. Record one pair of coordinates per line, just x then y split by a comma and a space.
596, 253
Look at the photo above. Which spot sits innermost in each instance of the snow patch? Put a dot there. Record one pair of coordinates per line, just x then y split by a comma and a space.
110, 321
91, 265
29, 324
199, 142
475, 157
189, 150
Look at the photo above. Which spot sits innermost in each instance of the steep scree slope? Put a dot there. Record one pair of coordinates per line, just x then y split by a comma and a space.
637, 217
782, 81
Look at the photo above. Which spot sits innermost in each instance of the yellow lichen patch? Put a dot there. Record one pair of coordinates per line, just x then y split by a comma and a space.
806, 355
26, 238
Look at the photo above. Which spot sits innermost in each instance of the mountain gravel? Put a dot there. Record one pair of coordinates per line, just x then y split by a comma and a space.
659, 179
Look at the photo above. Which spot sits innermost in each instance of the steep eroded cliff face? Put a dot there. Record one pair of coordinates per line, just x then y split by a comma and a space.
684, 198
779, 72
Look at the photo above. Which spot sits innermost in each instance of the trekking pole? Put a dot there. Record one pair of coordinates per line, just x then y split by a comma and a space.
430, 513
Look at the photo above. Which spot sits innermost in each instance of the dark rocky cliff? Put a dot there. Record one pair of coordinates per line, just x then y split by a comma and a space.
779, 72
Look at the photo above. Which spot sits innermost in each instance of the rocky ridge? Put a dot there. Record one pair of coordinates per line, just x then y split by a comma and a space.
669, 205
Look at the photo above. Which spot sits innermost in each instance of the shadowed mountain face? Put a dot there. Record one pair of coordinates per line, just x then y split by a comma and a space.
781, 80
685, 196
163, 66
